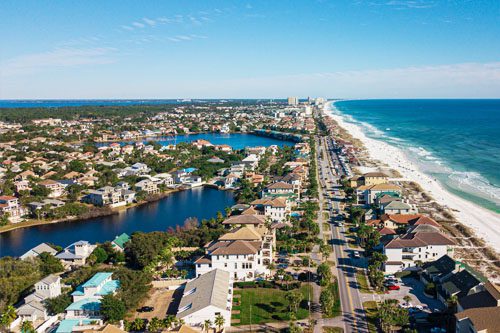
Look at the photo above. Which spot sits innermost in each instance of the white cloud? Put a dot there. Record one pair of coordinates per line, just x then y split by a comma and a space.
466, 80
57, 58
138, 24
126, 27
149, 21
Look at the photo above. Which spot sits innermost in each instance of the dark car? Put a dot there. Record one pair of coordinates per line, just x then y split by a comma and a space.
146, 309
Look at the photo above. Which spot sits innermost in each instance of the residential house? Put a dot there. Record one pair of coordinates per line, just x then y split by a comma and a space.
206, 297
395, 221
369, 179
10, 207
276, 209
33, 308
243, 259
147, 186
279, 189
478, 320
36, 207
56, 188
251, 162
436, 271
368, 194
119, 242
462, 283
37, 250
487, 295
86, 305
110, 196
76, 254
231, 180
422, 243
398, 207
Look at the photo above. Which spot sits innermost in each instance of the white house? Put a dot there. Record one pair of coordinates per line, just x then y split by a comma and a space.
398, 207
56, 188
11, 207
278, 189
206, 297
276, 209
147, 186
76, 253
86, 297
33, 308
37, 250
422, 243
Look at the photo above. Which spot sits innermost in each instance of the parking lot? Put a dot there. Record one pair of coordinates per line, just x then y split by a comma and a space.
413, 288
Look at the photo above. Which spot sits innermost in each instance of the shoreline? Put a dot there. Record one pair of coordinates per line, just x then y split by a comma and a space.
110, 212
482, 221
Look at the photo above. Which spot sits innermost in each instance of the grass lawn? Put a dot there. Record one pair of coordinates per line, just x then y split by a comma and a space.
362, 281
371, 315
265, 305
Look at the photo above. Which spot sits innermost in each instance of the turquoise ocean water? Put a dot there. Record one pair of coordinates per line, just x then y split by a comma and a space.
455, 141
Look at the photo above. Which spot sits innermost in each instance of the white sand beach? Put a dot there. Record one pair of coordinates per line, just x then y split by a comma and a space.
485, 223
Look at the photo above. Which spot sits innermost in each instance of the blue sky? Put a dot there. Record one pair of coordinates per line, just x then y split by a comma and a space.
249, 49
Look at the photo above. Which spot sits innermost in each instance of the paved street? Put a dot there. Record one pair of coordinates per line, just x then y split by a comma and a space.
353, 315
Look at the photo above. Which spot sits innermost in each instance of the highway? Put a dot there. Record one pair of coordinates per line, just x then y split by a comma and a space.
350, 299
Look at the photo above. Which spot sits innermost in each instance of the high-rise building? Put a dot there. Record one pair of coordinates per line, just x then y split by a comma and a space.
293, 101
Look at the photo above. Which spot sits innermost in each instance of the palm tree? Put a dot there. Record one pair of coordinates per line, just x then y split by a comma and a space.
168, 321
155, 324
27, 327
294, 298
137, 325
206, 325
219, 322
8, 316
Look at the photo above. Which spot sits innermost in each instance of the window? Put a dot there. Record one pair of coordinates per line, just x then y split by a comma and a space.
184, 308
189, 292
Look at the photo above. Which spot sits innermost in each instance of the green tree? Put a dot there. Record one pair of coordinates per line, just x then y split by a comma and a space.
327, 301
50, 264
100, 255
112, 308
294, 298
27, 327
138, 325
77, 166
219, 321
206, 325
155, 324
40, 191
58, 304
391, 316
8, 316
325, 274
325, 250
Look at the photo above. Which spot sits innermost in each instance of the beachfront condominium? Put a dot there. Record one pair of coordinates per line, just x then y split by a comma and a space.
293, 101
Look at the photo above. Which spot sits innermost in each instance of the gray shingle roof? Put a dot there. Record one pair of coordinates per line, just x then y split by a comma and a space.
211, 288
